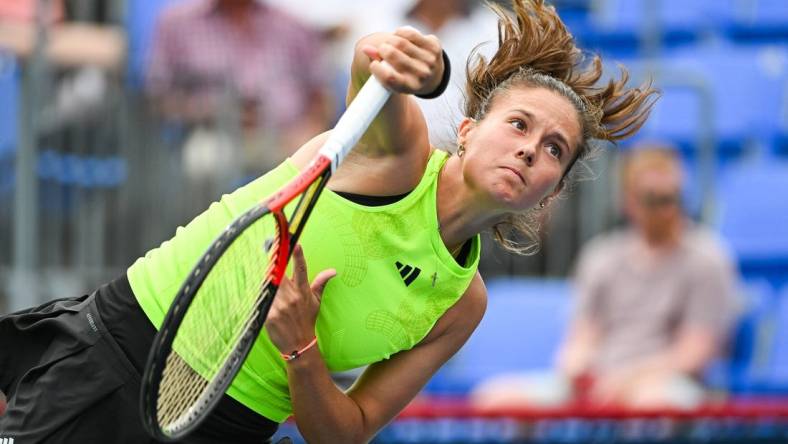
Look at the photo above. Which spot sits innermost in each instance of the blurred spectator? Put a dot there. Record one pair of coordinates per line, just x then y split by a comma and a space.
655, 303
83, 56
25, 11
69, 44
206, 52
461, 25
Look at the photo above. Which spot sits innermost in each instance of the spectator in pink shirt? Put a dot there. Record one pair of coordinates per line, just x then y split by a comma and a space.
25, 10
206, 50
655, 303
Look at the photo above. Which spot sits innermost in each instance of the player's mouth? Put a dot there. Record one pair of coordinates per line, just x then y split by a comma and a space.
516, 173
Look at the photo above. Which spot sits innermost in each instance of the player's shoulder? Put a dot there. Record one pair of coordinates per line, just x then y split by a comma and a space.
477, 289
462, 318
475, 299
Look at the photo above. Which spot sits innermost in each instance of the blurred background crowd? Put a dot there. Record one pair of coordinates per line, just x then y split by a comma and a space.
662, 278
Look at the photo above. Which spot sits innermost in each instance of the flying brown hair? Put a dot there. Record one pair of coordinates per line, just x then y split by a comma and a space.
536, 49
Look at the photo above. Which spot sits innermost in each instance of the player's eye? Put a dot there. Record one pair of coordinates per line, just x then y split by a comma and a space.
519, 124
555, 151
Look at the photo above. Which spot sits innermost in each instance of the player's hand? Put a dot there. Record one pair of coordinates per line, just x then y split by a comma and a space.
291, 320
407, 61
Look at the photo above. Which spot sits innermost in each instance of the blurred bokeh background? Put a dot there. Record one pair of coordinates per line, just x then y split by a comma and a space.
121, 120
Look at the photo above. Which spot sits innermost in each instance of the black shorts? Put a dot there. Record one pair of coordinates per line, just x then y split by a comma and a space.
68, 380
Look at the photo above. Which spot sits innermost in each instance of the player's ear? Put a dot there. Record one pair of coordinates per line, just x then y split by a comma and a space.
466, 125
556, 191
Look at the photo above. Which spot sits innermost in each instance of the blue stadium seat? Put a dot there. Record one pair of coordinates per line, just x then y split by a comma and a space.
779, 358
757, 20
9, 89
572, 5
618, 25
753, 211
521, 330
766, 372
737, 78
747, 360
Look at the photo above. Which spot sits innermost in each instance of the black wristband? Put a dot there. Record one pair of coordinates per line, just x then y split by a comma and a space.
444, 80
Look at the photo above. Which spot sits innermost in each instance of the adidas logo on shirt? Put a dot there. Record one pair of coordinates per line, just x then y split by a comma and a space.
408, 273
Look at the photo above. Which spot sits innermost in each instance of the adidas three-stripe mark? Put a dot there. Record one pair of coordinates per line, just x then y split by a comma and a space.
408, 273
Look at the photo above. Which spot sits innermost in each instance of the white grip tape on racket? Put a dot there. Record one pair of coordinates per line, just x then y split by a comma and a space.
355, 121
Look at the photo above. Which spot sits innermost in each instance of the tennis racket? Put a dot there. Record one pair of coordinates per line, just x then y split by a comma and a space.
219, 310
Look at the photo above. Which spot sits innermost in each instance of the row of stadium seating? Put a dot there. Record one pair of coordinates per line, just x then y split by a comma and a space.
432, 423
526, 320
623, 25
721, 91
605, 25
455, 422
752, 216
732, 96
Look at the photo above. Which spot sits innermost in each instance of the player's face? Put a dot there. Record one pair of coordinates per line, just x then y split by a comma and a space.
519, 152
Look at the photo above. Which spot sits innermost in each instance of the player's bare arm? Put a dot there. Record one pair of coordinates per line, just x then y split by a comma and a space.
326, 415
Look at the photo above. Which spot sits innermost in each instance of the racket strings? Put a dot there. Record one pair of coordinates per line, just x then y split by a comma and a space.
198, 339
222, 310
179, 387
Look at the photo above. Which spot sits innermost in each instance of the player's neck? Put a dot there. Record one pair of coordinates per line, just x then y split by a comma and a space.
459, 217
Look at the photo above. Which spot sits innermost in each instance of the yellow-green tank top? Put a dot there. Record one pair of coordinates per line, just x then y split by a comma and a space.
395, 278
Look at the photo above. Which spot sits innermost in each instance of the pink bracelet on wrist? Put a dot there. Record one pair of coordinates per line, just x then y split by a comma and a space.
296, 353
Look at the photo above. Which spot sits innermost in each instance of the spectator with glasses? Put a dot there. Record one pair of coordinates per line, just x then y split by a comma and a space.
655, 302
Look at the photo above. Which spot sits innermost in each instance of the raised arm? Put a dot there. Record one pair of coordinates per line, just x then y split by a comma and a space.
408, 63
391, 156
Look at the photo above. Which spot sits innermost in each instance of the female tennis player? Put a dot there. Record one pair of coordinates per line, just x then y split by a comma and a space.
385, 274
